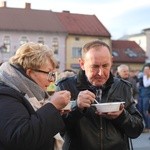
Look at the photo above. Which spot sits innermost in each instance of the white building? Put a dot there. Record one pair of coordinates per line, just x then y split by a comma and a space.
143, 40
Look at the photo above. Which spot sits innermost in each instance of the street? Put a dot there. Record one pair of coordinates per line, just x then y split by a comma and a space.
142, 142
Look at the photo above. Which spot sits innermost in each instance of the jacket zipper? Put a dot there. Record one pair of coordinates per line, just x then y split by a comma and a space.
101, 134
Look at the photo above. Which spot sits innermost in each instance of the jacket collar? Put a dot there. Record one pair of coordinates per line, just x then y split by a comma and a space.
84, 84
20, 69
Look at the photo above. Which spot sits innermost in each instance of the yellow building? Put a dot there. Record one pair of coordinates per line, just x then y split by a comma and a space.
81, 28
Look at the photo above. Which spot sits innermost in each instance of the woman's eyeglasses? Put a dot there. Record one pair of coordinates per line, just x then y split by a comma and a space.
51, 75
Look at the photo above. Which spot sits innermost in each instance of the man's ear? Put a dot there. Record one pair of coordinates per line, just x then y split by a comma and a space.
112, 59
81, 63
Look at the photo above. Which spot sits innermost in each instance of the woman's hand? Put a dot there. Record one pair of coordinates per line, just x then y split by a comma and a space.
60, 99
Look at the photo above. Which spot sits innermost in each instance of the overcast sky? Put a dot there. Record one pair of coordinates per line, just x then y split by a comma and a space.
120, 17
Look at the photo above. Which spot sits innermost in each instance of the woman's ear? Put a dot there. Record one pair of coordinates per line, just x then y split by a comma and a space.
28, 72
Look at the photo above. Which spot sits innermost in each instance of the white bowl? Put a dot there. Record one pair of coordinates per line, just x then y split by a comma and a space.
68, 106
108, 107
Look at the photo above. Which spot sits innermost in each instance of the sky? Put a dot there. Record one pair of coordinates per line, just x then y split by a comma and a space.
120, 17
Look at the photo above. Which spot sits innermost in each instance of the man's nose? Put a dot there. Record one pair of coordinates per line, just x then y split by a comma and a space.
100, 71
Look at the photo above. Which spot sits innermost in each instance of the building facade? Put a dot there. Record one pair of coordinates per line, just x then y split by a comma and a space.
143, 40
19, 26
64, 32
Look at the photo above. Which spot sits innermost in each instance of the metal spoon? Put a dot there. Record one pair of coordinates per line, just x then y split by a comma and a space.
96, 101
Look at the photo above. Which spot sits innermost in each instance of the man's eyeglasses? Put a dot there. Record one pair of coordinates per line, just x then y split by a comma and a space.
51, 75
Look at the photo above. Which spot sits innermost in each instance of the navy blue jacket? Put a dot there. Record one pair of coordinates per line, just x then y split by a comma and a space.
21, 128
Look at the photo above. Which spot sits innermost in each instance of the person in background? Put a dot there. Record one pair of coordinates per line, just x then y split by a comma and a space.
144, 92
134, 74
124, 73
66, 73
30, 119
87, 129
61, 75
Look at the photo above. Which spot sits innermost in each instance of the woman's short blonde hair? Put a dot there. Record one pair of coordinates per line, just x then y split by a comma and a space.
33, 55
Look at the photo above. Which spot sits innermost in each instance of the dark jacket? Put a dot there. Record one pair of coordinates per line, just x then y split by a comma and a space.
21, 128
88, 131
134, 87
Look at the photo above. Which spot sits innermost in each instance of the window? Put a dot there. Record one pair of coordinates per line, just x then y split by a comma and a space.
6, 44
115, 54
3, 48
139, 42
23, 40
55, 45
77, 38
41, 40
76, 52
130, 53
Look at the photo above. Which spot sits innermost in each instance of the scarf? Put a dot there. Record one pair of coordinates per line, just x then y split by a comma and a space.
36, 96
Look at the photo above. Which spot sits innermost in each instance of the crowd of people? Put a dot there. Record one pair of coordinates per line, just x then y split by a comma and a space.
34, 120
141, 89
144, 96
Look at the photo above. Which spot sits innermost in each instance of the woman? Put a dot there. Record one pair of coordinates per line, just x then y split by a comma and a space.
30, 119
144, 88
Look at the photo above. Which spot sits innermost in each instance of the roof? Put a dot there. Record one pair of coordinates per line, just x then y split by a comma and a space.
82, 24
146, 29
127, 51
27, 19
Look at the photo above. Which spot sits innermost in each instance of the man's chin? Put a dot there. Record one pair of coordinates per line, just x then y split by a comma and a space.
98, 83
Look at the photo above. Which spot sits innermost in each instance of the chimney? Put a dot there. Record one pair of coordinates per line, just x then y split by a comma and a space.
66, 11
28, 6
3, 4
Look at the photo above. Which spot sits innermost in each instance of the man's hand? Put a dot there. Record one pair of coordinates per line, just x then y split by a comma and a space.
85, 99
112, 115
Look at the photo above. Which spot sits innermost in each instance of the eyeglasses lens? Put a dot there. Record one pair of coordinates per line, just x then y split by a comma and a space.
51, 76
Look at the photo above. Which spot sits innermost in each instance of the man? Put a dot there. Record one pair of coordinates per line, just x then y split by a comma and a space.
124, 73
86, 129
